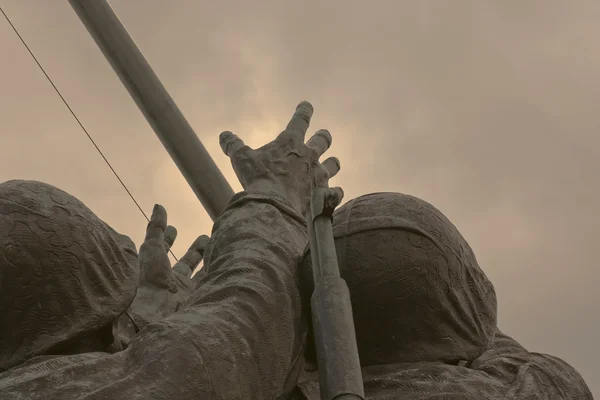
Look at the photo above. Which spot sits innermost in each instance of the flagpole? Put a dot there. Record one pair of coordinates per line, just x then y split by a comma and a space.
153, 100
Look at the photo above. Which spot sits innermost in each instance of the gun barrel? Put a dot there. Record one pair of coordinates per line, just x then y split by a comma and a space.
161, 112
333, 323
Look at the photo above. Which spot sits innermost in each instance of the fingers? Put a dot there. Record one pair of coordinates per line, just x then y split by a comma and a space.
199, 244
231, 143
154, 262
170, 236
301, 119
183, 269
199, 275
157, 224
192, 258
320, 142
331, 166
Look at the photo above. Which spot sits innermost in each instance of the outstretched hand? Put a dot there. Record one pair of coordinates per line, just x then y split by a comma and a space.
162, 289
286, 166
155, 267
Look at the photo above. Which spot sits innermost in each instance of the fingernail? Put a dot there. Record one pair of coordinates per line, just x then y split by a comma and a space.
304, 104
337, 161
326, 135
224, 136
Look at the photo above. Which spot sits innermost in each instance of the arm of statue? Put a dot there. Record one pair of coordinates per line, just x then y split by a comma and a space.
241, 335
526, 375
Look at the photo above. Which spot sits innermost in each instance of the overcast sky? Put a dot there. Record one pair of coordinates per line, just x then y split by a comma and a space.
488, 110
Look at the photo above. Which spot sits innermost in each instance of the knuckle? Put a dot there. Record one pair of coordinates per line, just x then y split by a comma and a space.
312, 153
303, 116
239, 152
321, 175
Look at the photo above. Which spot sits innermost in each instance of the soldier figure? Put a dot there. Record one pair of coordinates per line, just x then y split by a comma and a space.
84, 318
425, 312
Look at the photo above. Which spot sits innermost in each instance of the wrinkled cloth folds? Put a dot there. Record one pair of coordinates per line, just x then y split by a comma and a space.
240, 336
506, 371
64, 273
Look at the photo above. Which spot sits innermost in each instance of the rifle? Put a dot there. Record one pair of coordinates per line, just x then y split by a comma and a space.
340, 374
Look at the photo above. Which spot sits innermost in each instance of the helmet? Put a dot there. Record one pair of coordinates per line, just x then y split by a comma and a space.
417, 291
64, 273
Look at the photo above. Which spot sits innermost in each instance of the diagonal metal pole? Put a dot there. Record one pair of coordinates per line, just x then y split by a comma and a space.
161, 112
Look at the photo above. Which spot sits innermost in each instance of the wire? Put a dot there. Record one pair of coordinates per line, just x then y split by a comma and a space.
77, 119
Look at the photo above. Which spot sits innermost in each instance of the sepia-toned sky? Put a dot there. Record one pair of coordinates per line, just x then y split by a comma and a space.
488, 110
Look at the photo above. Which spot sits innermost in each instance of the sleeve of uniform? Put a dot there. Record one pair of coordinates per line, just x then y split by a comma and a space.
528, 375
542, 376
241, 333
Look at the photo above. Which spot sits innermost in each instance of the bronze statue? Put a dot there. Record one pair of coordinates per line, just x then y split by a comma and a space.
84, 318
425, 312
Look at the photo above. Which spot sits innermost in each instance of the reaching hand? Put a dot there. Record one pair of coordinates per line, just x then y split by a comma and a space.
155, 267
162, 289
286, 166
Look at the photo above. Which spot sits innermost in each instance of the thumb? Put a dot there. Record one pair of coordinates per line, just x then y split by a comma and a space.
231, 143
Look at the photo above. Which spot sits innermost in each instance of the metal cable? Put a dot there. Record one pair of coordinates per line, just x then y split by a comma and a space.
77, 119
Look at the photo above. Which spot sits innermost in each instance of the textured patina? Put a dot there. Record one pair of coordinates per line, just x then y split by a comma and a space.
73, 327
425, 312
418, 293
64, 273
